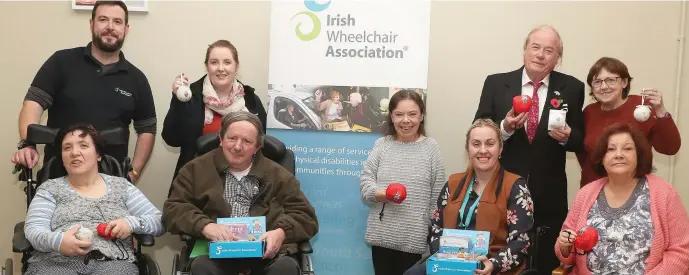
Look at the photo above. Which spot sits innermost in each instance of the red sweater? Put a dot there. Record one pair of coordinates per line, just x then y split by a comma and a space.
670, 245
214, 126
661, 133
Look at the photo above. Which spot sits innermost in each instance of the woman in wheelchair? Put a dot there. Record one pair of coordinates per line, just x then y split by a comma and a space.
640, 220
236, 180
485, 198
64, 211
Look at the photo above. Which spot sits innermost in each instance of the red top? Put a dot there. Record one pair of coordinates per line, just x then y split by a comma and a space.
214, 126
661, 133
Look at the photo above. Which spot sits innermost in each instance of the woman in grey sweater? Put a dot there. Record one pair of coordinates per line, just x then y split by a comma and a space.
397, 232
63, 218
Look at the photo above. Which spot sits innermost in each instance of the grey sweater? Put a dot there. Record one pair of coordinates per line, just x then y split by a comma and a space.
417, 165
57, 207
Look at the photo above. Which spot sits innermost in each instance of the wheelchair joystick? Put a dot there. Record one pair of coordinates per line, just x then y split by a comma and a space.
101, 231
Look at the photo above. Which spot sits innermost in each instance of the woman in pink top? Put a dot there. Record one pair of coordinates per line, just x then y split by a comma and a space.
642, 225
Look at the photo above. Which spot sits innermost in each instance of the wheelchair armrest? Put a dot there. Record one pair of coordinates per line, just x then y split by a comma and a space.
563, 270
19, 242
40, 134
19, 227
305, 247
145, 240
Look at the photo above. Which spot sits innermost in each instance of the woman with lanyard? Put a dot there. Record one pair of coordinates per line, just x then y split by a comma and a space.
479, 199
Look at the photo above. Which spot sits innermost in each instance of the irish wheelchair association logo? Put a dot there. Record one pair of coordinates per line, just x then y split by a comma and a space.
313, 8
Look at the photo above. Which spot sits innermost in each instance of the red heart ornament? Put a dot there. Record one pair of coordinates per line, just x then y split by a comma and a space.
587, 239
101, 231
396, 192
521, 104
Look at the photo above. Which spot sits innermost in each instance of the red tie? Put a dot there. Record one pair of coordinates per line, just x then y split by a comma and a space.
532, 119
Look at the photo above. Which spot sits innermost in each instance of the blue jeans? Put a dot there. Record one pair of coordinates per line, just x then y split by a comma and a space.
417, 269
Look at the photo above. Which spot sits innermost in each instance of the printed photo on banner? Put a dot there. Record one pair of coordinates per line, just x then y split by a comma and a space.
330, 108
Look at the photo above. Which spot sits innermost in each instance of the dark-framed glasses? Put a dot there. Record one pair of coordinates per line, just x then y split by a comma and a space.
609, 81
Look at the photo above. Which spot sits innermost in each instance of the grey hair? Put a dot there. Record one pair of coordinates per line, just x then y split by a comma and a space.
233, 117
560, 45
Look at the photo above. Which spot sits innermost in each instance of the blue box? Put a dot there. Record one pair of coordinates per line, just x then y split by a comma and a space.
450, 266
236, 249
457, 252
247, 230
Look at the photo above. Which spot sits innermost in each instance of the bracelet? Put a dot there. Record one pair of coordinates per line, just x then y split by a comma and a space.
134, 172
667, 115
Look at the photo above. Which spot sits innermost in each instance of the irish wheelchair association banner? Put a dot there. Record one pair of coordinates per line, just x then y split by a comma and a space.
333, 67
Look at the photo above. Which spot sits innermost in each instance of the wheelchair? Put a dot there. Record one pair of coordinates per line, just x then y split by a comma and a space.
39, 134
273, 149
532, 261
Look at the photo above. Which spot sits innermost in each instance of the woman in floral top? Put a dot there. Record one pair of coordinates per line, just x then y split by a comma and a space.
485, 198
641, 222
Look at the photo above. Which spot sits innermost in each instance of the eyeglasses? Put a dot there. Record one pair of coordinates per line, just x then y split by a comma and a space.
609, 81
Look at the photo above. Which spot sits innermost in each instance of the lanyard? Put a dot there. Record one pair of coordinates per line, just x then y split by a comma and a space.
464, 223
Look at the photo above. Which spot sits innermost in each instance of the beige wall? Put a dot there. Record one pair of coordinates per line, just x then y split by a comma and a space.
468, 41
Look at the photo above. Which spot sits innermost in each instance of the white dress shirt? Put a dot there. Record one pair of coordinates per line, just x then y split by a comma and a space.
527, 89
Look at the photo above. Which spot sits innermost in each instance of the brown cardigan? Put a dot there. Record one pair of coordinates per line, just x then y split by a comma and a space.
491, 214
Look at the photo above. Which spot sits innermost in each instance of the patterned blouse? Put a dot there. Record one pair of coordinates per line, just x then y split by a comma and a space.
519, 222
625, 233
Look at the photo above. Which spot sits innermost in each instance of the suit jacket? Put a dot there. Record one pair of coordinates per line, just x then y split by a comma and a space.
541, 163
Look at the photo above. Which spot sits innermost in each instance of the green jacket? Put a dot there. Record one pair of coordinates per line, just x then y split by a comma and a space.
197, 199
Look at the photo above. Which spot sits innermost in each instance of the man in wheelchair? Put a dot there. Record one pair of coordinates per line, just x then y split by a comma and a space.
83, 222
236, 180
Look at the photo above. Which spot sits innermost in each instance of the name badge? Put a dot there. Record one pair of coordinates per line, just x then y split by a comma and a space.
557, 119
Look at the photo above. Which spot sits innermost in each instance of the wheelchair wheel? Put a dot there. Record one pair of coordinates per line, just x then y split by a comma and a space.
530, 272
151, 265
175, 265
8, 268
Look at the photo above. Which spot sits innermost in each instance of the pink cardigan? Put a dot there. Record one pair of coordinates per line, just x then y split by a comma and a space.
670, 246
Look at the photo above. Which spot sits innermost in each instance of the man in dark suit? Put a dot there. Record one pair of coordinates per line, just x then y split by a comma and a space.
530, 148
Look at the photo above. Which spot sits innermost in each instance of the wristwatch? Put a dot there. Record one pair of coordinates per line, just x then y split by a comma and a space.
23, 144
141, 222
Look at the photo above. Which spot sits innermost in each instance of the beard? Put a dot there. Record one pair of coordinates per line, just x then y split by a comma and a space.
104, 46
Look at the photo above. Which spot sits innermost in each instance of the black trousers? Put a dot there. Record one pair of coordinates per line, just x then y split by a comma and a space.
280, 265
392, 262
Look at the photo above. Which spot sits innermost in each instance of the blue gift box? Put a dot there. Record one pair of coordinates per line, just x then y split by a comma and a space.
450, 266
247, 230
457, 252
236, 249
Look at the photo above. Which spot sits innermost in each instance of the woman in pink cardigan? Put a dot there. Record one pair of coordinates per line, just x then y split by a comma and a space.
642, 225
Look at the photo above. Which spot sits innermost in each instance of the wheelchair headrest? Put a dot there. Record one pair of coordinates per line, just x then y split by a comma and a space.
207, 142
39, 134
115, 136
273, 148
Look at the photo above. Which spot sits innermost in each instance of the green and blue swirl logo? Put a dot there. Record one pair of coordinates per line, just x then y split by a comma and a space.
313, 8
